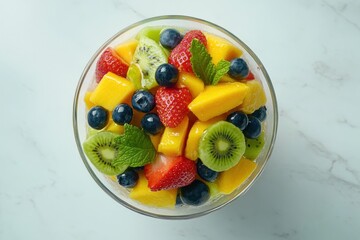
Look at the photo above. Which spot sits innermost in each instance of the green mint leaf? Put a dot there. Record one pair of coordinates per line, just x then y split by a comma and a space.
221, 69
202, 65
201, 62
135, 148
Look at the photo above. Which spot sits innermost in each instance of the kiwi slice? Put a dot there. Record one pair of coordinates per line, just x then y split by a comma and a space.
254, 146
134, 74
148, 55
221, 146
154, 34
102, 150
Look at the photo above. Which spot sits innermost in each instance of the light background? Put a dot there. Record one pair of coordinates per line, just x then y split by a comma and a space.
311, 186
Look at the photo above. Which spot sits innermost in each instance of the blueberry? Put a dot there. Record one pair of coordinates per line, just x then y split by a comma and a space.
151, 123
122, 114
97, 117
170, 38
195, 193
239, 119
253, 129
143, 101
238, 69
166, 75
260, 113
206, 173
128, 178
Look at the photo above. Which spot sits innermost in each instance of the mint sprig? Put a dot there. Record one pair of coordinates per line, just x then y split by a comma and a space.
203, 66
135, 148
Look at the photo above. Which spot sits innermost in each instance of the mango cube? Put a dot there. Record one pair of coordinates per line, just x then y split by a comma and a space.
111, 91
218, 99
155, 139
115, 128
192, 143
194, 84
254, 99
231, 179
173, 139
126, 50
142, 193
87, 101
220, 48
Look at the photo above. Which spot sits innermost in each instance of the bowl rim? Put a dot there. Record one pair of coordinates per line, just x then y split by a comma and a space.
173, 17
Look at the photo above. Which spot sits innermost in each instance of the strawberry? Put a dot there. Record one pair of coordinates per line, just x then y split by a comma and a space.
250, 76
180, 55
110, 61
172, 105
170, 172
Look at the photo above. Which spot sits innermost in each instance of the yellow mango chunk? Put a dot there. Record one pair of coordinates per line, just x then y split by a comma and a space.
155, 139
194, 84
192, 143
111, 91
218, 99
220, 48
126, 50
173, 139
231, 179
255, 98
87, 101
115, 128
142, 193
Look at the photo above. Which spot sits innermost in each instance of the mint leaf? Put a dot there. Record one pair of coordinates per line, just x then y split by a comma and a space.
135, 148
202, 65
221, 69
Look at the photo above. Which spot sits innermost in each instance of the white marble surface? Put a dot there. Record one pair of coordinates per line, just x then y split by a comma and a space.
311, 186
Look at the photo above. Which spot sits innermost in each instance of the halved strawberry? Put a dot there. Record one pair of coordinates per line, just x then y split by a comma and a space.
170, 172
172, 105
110, 61
250, 76
180, 55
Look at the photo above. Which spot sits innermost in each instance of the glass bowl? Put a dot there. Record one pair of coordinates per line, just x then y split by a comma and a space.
120, 194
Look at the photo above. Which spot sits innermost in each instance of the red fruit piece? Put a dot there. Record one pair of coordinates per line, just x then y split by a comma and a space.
110, 61
172, 105
250, 76
170, 172
180, 55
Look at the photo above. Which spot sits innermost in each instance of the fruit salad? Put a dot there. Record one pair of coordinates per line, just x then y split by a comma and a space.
175, 117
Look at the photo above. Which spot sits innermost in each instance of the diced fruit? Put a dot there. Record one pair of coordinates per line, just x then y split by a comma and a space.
254, 146
142, 193
238, 69
97, 117
155, 139
110, 61
206, 173
151, 124
260, 113
111, 91
134, 75
115, 128
193, 83
196, 131
143, 101
150, 32
195, 194
166, 75
253, 129
221, 146
250, 76
231, 179
227, 78
128, 178
122, 114
180, 55
126, 50
218, 99
172, 105
148, 55
87, 101
173, 139
220, 48
254, 99
170, 38
101, 149
239, 119
170, 172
